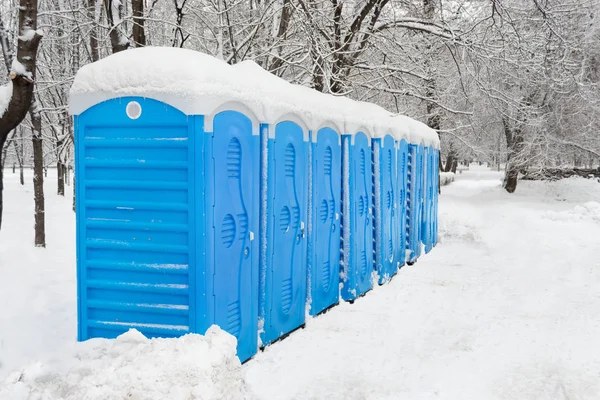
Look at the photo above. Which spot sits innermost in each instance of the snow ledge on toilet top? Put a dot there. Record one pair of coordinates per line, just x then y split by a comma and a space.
199, 84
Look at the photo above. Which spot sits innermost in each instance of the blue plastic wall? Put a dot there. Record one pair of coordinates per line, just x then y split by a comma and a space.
412, 204
150, 230
400, 217
232, 171
324, 228
385, 195
182, 223
436, 158
286, 267
357, 232
426, 212
137, 263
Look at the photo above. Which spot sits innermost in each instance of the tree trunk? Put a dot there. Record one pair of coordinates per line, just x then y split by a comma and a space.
38, 176
94, 53
451, 161
510, 180
61, 178
118, 41
514, 140
138, 33
21, 78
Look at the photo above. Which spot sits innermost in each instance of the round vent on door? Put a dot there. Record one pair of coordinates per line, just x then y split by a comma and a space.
133, 110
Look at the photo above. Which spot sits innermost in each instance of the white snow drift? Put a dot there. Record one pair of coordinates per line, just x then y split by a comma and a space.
199, 84
134, 367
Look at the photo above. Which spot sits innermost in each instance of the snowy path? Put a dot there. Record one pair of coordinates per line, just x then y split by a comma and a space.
506, 307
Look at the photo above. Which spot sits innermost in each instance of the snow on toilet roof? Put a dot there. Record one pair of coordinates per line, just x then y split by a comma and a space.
199, 84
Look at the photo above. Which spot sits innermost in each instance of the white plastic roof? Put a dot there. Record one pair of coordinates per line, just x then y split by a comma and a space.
199, 84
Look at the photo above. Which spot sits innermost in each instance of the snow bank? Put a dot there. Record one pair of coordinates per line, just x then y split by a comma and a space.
134, 367
199, 84
589, 211
446, 178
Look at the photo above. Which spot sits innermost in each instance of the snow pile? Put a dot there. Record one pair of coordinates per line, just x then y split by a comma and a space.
589, 211
199, 84
446, 178
134, 367
573, 189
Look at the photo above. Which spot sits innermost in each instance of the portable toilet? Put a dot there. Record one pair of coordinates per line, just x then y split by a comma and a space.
412, 204
287, 199
426, 200
402, 127
167, 166
385, 205
402, 168
429, 199
357, 210
324, 233
436, 190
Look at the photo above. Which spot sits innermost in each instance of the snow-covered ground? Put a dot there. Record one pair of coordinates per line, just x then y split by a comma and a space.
507, 306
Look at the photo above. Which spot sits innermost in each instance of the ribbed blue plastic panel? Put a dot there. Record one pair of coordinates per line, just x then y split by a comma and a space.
135, 210
386, 199
427, 224
324, 234
232, 229
287, 199
357, 215
436, 158
400, 217
413, 204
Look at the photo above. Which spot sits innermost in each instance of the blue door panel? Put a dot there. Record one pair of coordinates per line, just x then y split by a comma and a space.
402, 200
136, 241
385, 206
413, 208
233, 202
324, 232
357, 218
286, 291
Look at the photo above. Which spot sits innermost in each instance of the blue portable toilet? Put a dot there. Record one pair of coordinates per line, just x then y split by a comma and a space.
430, 197
436, 158
426, 193
413, 204
401, 223
231, 195
203, 200
168, 198
357, 224
420, 185
287, 208
385, 199
324, 235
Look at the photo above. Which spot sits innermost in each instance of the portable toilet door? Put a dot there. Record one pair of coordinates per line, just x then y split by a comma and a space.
429, 199
137, 264
436, 191
232, 170
385, 177
357, 231
412, 204
420, 197
286, 263
426, 202
400, 224
324, 228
